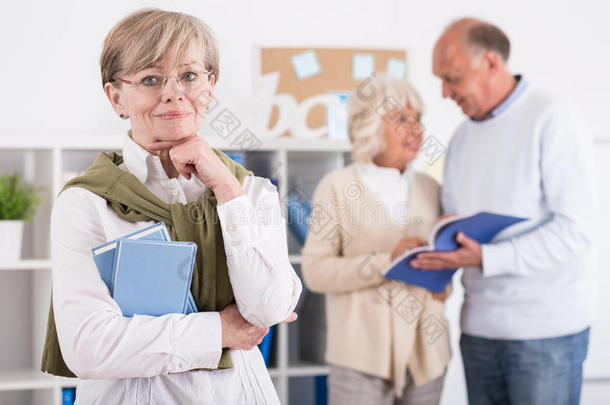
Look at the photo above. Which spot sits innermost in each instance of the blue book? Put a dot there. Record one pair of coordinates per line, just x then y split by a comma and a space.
104, 257
298, 213
153, 277
482, 227
68, 396
265, 346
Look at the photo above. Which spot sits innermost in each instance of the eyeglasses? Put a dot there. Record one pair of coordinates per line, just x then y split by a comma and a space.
189, 81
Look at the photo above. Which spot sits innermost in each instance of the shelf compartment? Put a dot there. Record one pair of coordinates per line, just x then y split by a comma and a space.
26, 379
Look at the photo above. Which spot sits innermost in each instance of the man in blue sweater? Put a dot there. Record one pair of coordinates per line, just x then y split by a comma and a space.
528, 294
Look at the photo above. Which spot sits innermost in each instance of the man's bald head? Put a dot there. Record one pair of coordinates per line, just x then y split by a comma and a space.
477, 37
470, 58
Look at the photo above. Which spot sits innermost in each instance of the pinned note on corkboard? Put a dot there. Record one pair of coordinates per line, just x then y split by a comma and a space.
308, 72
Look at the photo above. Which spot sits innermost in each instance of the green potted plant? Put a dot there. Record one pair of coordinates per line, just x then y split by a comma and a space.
18, 201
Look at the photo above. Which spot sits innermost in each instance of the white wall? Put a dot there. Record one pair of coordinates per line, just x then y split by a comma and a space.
51, 81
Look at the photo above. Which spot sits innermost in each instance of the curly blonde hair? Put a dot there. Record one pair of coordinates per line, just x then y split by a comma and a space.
375, 97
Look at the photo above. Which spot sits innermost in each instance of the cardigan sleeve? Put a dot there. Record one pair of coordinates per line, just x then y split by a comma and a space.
325, 269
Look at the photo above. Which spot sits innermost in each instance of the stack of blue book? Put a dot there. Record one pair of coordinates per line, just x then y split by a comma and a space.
147, 273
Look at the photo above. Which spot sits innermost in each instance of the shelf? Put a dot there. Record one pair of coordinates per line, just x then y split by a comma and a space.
305, 369
66, 382
30, 264
23, 379
114, 142
302, 370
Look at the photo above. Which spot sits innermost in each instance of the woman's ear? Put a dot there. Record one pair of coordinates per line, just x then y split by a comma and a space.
114, 96
212, 84
210, 93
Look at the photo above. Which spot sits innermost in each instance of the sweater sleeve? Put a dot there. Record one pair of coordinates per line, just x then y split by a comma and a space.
325, 269
566, 165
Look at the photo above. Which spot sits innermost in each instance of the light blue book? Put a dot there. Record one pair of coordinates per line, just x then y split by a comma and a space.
104, 257
153, 277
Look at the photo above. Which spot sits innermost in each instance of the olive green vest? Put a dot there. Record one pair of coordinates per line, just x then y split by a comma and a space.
196, 221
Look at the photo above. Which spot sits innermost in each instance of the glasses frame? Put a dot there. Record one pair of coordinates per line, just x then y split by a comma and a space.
209, 73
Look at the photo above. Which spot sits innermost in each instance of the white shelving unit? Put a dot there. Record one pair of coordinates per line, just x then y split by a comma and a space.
25, 285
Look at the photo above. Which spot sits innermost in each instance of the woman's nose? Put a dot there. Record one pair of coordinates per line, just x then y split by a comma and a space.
172, 90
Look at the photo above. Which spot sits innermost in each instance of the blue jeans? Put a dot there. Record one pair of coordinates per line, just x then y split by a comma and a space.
524, 372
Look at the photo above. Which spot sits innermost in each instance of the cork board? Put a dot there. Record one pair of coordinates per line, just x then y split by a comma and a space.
335, 74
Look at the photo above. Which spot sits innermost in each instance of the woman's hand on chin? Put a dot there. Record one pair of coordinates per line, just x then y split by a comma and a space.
194, 156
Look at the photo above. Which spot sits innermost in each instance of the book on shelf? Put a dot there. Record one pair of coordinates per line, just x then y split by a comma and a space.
298, 212
482, 227
266, 345
68, 396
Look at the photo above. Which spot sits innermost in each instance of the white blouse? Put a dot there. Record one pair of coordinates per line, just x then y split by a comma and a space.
145, 359
390, 186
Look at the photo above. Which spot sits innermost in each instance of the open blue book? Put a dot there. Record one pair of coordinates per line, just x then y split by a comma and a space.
104, 257
482, 227
153, 277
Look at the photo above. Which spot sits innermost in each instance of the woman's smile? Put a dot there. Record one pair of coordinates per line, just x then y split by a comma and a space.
174, 115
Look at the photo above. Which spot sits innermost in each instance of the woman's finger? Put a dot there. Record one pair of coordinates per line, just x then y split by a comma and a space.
291, 318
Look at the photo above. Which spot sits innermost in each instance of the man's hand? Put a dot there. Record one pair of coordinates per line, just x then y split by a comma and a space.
468, 254
237, 333
407, 244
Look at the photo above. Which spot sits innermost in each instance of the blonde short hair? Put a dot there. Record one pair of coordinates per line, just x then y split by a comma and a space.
149, 35
374, 98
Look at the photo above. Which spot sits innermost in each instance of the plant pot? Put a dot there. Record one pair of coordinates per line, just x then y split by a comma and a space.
11, 236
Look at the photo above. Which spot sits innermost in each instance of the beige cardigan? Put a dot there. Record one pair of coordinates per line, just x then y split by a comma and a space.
375, 326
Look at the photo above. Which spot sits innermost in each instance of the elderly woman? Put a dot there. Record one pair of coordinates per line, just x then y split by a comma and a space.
387, 342
159, 70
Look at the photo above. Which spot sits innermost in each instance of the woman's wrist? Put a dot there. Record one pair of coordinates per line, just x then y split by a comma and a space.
227, 190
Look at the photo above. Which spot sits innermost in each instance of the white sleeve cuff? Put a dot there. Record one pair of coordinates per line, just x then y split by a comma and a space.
197, 341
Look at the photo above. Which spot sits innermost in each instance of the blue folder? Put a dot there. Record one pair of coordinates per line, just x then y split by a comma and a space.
104, 257
482, 227
153, 277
